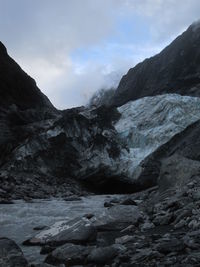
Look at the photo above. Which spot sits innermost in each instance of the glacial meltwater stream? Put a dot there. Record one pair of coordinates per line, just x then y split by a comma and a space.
18, 220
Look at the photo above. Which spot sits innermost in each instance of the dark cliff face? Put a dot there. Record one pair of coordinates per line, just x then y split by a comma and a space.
17, 88
177, 161
175, 70
21, 105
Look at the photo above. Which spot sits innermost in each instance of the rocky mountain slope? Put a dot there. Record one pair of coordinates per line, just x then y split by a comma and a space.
174, 70
21, 105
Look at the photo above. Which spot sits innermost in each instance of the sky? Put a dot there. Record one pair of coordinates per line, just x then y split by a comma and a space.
73, 48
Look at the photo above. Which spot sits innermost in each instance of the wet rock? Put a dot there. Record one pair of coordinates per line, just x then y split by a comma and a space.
78, 231
6, 201
129, 229
69, 254
128, 201
89, 216
104, 255
11, 255
72, 198
117, 218
171, 245
191, 243
40, 227
163, 219
44, 265
194, 224
108, 204
141, 255
124, 239
146, 226
46, 249
180, 224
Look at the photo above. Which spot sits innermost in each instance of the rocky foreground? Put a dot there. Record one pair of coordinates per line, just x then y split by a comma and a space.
155, 227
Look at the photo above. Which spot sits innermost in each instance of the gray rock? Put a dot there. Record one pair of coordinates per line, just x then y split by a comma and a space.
43, 265
124, 239
40, 227
146, 226
129, 201
176, 171
117, 218
11, 255
69, 254
171, 245
78, 231
104, 255
72, 198
163, 219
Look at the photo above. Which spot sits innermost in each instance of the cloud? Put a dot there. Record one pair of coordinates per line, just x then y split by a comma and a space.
167, 18
73, 47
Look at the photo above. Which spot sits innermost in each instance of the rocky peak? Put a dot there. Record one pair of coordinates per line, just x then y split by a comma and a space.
175, 70
17, 87
3, 50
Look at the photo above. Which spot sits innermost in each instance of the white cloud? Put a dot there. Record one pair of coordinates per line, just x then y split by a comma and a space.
42, 35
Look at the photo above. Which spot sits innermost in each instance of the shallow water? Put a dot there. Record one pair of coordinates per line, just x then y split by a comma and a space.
18, 220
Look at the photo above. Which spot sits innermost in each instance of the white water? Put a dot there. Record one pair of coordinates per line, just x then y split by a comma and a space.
18, 220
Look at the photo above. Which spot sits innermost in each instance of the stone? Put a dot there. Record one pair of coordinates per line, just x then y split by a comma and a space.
124, 239
78, 231
171, 245
146, 226
11, 255
69, 254
163, 219
72, 198
128, 201
6, 201
104, 255
117, 218
44, 265
194, 224
40, 227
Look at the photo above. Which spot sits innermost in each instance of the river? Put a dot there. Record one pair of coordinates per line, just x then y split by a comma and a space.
18, 220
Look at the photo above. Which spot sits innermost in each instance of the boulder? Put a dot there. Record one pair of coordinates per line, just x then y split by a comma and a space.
117, 218
104, 255
68, 254
11, 255
171, 245
77, 231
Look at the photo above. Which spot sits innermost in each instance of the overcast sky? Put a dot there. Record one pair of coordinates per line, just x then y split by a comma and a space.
74, 47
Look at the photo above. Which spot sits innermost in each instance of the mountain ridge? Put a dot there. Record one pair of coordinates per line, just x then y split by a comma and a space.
174, 70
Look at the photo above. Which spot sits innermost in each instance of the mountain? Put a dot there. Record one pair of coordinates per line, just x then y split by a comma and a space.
103, 149
147, 144
17, 88
174, 70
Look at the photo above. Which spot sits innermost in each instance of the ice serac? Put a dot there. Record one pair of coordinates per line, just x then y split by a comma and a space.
149, 122
174, 70
101, 149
